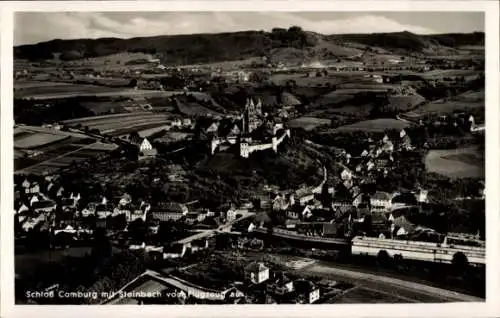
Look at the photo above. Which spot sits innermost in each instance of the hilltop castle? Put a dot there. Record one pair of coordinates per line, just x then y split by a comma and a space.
242, 133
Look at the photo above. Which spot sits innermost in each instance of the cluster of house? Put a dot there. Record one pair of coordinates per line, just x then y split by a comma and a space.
280, 287
461, 120
45, 203
305, 208
260, 285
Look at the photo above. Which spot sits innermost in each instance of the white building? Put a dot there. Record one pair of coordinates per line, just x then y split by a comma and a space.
381, 201
257, 273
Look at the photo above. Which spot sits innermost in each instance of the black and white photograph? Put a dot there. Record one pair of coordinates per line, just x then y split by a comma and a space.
249, 157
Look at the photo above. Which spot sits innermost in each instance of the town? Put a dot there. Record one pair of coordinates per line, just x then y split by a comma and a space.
145, 180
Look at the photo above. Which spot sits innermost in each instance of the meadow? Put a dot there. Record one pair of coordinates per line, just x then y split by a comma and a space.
456, 163
308, 123
375, 125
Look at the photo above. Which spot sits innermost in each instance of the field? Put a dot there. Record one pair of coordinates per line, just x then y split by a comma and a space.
456, 163
58, 154
375, 125
368, 296
116, 125
60, 90
23, 85
461, 103
33, 140
308, 123
195, 109
449, 73
105, 107
64, 90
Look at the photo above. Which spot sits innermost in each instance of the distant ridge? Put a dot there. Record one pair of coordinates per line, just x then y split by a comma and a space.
206, 48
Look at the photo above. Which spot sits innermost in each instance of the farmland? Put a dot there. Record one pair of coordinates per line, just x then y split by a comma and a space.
54, 150
308, 123
468, 101
60, 90
72, 90
456, 163
375, 125
27, 141
115, 125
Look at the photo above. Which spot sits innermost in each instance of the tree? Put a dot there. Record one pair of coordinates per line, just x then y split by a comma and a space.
137, 230
101, 247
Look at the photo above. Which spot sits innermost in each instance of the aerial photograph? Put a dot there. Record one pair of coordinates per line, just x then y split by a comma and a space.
249, 157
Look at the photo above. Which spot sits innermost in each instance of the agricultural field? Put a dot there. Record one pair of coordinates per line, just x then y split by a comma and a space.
375, 125
23, 84
116, 124
113, 59
436, 74
151, 131
37, 139
403, 103
365, 295
308, 123
61, 90
457, 163
103, 107
464, 102
195, 109
54, 154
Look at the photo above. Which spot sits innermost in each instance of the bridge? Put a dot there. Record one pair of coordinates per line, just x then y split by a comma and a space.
226, 227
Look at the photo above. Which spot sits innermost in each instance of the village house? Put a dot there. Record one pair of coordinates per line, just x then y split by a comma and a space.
257, 273
90, 209
171, 211
146, 150
401, 227
381, 201
22, 208
103, 210
299, 212
346, 174
68, 204
280, 203
280, 284
304, 195
33, 188
198, 245
192, 218
231, 214
307, 291
422, 195
340, 207
43, 206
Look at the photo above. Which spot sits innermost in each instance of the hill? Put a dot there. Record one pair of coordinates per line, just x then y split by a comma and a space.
207, 48
414, 42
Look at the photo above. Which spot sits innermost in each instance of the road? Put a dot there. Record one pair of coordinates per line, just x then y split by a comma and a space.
389, 285
208, 233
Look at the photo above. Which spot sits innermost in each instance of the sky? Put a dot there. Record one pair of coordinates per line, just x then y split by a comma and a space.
34, 27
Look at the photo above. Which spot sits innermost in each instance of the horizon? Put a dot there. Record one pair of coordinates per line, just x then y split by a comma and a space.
125, 25
213, 33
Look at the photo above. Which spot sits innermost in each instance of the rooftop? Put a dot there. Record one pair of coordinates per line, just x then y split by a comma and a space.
380, 195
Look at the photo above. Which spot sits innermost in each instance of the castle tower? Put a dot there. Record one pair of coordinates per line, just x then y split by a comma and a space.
258, 107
